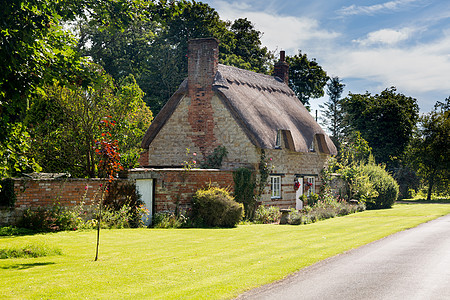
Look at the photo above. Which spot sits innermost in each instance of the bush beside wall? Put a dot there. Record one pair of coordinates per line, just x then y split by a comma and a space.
214, 207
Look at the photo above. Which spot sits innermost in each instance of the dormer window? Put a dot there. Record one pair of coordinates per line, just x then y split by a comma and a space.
278, 140
312, 148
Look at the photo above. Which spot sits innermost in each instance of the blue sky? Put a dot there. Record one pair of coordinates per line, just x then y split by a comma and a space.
370, 45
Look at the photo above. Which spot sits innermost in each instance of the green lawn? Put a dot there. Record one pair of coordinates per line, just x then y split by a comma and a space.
190, 263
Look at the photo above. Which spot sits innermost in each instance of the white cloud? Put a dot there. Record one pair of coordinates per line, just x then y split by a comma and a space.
386, 37
373, 9
417, 69
375, 61
279, 32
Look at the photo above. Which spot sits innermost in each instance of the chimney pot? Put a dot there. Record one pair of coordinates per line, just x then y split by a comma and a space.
282, 55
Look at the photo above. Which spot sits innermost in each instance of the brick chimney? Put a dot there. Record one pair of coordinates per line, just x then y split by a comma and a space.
281, 68
203, 60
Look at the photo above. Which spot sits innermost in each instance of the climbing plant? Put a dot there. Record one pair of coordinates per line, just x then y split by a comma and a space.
215, 159
244, 190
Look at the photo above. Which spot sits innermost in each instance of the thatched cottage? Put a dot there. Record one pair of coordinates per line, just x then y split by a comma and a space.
245, 112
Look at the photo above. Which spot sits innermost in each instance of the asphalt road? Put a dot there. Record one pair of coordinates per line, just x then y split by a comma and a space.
412, 264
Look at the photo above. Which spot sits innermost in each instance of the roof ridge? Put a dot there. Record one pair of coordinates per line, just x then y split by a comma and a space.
227, 75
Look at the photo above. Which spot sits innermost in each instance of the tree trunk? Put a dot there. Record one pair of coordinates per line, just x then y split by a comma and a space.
430, 188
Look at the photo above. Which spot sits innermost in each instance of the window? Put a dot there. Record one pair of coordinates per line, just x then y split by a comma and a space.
278, 140
312, 148
275, 186
310, 185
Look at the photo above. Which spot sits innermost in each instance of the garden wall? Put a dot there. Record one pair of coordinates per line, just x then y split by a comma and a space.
175, 187
67, 192
172, 188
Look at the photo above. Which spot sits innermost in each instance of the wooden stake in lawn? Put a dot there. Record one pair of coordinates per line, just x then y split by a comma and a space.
109, 165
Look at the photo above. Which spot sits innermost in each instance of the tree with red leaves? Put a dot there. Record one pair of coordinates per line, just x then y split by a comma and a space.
108, 150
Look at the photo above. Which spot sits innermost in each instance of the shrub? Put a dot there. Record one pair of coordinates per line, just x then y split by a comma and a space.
323, 210
121, 218
11, 230
360, 187
267, 215
124, 194
58, 218
214, 207
295, 217
168, 219
244, 190
313, 199
384, 184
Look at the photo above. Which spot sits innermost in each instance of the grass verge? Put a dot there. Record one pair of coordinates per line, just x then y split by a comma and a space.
191, 263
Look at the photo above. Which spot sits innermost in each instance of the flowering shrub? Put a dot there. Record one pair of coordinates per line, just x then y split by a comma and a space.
267, 215
324, 209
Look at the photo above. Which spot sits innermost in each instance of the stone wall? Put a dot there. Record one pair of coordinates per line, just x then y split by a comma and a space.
170, 144
291, 165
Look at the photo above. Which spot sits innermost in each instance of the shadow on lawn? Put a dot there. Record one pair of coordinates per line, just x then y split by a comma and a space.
26, 266
424, 201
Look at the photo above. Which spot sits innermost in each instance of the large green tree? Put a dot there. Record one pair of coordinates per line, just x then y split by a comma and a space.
65, 124
332, 110
306, 77
35, 50
429, 152
386, 121
154, 48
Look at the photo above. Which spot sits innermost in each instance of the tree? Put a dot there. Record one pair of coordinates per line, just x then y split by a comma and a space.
306, 77
429, 152
154, 49
354, 150
333, 114
36, 49
244, 48
64, 124
14, 157
386, 121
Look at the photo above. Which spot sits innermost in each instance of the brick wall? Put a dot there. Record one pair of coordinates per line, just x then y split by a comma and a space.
67, 192
175, 187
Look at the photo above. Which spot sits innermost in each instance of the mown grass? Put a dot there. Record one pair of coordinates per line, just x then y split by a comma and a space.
191, 263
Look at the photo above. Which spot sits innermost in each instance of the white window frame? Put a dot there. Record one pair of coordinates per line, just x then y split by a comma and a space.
311, 190
275, 187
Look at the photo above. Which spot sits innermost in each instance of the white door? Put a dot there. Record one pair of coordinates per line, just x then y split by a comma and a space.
145, 188
298, 195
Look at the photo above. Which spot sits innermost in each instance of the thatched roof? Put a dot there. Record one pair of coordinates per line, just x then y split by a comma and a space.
262, 105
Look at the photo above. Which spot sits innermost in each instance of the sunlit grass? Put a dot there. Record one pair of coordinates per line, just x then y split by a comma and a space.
191, 263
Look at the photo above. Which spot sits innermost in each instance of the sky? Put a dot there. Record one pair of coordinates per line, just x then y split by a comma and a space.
369, 45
